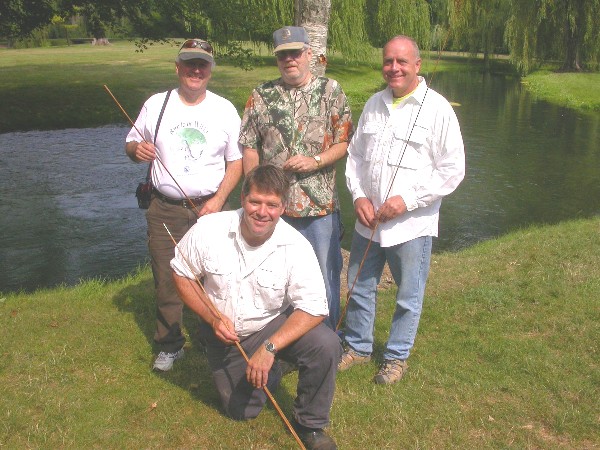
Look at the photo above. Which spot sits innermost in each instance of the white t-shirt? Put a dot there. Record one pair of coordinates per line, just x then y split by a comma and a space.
251, 288
193, 142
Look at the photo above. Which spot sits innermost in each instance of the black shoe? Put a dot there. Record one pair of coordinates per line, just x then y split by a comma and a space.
314, 438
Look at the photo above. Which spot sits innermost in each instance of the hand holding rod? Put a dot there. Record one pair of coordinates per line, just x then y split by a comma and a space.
159, 160
213, 309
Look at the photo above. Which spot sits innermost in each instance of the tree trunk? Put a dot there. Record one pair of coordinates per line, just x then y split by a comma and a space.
573, 40
313, 15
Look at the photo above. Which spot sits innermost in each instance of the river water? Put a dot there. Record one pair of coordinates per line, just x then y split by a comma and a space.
68, 212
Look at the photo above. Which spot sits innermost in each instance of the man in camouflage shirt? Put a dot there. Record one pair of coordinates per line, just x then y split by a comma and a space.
302, 123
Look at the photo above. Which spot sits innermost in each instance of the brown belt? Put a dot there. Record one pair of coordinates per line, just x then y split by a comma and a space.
186, 203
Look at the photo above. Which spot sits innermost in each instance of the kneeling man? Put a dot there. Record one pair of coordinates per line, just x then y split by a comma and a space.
263, 277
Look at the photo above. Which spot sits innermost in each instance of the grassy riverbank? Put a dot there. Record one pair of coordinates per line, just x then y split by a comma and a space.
579, 91
506, 357
56, 88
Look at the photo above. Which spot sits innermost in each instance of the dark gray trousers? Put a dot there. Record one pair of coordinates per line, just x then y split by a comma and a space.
316, 354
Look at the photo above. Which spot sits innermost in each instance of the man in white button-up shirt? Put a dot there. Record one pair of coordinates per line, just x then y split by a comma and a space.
263, 277
406, 155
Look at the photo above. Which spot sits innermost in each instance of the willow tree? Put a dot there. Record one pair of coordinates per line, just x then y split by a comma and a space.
568, 30
350, 27
388, 18
478, 26
348, 32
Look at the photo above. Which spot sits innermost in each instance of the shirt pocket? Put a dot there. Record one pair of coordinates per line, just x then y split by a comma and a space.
269, 292
409, 154
371, 133
217, 279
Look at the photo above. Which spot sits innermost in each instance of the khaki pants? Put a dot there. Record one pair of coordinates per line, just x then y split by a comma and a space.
169, 307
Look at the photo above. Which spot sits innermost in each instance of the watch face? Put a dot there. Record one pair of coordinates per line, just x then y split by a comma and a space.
270, 347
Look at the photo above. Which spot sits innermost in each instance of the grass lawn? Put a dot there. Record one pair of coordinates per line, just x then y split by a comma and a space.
580, 91
506, 357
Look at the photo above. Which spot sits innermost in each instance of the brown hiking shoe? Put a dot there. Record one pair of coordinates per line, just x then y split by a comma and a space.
351, 358
391, 371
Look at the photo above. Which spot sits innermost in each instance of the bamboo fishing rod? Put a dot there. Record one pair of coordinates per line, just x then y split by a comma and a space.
213, 309
157, 157
389, 188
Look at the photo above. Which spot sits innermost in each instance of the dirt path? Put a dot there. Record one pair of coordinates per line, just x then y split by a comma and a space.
387, 281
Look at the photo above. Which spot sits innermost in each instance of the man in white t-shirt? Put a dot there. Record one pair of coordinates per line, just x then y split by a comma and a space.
196, 163
264, 279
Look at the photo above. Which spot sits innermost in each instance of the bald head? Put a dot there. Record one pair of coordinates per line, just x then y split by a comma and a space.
401, 65
407, 39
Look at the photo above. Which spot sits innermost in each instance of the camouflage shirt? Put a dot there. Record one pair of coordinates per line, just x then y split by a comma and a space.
281, 122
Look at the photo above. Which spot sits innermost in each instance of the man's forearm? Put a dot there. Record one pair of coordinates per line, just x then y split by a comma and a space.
296, 326
193, 297
251, 159
130, 150
233, 173
334, 153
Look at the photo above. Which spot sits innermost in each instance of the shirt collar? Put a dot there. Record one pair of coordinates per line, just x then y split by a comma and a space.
417, 95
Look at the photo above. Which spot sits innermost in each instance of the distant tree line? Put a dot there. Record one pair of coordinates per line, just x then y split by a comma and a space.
531, 32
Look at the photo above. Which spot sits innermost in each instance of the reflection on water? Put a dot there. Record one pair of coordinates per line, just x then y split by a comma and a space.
527, 162
68, 212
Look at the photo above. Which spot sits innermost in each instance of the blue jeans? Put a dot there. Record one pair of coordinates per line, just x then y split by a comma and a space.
409, 264
323, 233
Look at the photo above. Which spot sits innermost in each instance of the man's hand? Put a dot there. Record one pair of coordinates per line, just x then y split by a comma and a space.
259, 365
224, 330
141, 151
300, 163
365, 212
392, 207
212, 205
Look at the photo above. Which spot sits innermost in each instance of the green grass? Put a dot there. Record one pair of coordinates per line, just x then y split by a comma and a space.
580, 91
506, 357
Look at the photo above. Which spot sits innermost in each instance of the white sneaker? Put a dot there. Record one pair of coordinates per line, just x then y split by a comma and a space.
164, 361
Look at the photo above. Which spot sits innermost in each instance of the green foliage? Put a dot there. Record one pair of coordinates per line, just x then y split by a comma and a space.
18, 18
348, 28
478, 25
239, 56
543, 30
392, 17
243, 20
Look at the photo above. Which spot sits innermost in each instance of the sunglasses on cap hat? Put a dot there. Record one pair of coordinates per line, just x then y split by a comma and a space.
197, 43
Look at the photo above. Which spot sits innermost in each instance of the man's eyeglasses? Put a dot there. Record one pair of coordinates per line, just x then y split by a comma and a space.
285, 54
195, 43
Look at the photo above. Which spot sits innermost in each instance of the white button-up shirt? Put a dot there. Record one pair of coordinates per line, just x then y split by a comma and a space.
392, 155
251, 288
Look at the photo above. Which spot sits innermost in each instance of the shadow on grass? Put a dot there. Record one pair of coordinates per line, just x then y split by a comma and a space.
191, 373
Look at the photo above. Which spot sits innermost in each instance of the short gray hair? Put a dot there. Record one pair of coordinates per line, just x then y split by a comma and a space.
402, 37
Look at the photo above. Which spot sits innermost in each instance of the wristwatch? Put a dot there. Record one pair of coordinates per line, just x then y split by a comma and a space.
270, 347
318, 160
